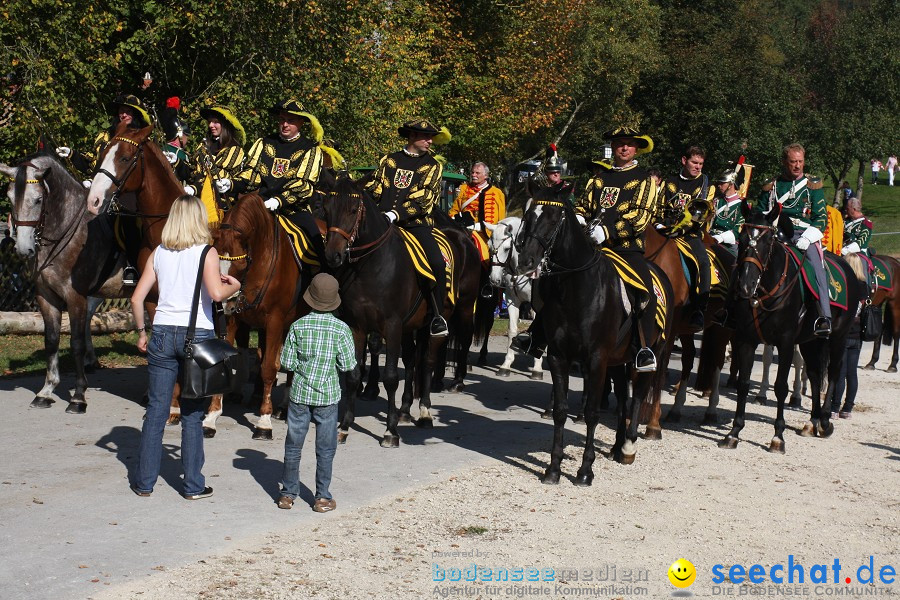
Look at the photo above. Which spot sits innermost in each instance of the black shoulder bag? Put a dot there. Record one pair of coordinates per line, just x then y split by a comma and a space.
212, 366
870, 325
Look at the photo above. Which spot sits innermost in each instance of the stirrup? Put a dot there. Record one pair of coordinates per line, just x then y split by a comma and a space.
524, 343
129, 276
822, 327
645, 361
487, 291
438, 327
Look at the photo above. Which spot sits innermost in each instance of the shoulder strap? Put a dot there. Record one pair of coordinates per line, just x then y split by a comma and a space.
192, 322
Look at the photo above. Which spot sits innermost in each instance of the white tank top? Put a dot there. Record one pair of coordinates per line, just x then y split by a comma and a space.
176, 273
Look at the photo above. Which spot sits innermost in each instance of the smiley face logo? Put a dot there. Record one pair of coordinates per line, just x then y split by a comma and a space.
682, 573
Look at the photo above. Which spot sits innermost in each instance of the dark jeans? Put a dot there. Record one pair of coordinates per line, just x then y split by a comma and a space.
165, 352
298, 419
847, 375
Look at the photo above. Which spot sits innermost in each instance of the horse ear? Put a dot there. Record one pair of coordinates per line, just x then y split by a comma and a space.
144, 133
772, 215
8, 171
528, 204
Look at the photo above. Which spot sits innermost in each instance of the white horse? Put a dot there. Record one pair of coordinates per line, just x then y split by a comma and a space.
504, 260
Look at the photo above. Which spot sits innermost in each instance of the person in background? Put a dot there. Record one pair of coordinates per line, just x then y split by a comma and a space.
318, 345
876, 166
173, 267
890, 167
847, 375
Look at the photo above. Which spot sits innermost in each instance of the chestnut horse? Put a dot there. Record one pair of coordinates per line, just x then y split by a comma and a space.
76, 257
254, 250
891, 301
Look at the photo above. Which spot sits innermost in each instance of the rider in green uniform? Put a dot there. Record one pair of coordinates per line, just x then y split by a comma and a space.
728, 216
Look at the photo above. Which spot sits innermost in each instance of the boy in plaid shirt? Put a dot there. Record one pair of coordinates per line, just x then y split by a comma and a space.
317, 347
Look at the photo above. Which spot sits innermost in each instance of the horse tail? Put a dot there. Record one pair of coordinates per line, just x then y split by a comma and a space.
887, 331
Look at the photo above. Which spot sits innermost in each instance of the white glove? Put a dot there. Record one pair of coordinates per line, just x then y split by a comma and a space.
272, 203
802, 243
189, 190
726, 237
391, 216
223, 185
851, 247
171, 157
581, 220
64, 152
598, 234
475, 227
812, 234
87, 183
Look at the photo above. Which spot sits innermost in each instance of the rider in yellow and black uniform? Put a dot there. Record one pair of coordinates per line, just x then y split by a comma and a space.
221, 154
284, 168
685, 205
407, 187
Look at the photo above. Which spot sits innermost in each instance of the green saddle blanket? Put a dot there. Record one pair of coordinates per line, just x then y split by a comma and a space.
837, 280
882, 273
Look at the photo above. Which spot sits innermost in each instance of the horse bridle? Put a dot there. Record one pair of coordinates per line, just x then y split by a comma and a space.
547, 266
241, 303
777, 292
114, 208
354, 231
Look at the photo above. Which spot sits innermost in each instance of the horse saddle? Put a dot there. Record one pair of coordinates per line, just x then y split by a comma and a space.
303, 250
882, 272
633, 282
420, 260
837, 280
691, 266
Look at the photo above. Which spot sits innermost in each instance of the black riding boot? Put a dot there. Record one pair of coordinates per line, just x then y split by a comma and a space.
644, 358
697, 317
438, 323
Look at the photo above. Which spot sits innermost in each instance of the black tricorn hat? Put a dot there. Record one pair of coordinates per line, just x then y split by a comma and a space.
134, 103
644, 143
292, 107
417, 125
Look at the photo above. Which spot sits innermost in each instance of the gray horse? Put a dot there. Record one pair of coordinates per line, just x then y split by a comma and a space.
75, 257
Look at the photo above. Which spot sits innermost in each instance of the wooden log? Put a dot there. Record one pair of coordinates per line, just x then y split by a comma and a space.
31, 323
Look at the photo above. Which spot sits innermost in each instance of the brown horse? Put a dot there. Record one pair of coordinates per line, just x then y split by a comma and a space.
890, 299
663, 252
258, 253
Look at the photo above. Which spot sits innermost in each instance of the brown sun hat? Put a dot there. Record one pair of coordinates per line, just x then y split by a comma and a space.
322, 293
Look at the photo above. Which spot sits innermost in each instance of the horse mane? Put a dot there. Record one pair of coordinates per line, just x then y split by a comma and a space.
250, 214
64, 183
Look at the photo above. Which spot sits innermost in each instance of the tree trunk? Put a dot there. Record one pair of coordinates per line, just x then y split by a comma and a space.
861, 179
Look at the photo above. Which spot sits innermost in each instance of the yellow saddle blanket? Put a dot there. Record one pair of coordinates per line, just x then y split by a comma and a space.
304, 253
718, 276
420, 261
633, 280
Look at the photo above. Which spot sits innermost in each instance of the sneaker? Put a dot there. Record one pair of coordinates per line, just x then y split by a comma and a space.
140, 493
323, 505
129, 276
206, 493
845, 414
524, 343
645, 361
822, 328
438, 327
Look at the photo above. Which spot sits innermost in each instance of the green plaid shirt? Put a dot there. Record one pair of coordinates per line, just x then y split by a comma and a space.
317, 346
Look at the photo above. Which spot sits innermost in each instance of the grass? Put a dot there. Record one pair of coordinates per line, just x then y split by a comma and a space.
881, 204
24, 354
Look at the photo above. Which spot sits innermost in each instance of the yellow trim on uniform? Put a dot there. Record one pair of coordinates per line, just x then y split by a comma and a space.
299, 242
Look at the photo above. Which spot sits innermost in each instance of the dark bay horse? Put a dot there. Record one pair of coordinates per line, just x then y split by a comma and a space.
890, 299
254, 250
76, 257
585, 320
380, 292
771, 307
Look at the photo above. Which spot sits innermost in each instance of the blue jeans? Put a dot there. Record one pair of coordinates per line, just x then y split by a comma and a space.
847, 377
165, 352
298, 418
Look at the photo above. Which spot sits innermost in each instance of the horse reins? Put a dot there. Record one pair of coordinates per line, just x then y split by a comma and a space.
354, 231
551, 267
242, 303
114, 208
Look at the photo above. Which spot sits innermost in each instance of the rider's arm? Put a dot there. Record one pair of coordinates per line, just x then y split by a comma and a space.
420, 201
818, 208
249, 178
586, 205
299, 190
634, 218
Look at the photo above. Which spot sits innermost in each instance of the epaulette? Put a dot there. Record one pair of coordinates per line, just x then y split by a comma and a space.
767, 186
867, 223
814, 183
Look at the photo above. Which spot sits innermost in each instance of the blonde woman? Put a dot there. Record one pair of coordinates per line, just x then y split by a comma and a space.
173, 267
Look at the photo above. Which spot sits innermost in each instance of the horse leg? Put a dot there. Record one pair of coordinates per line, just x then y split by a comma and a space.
595, 381
618, 380
504, 369
436, 381
585, 397
90, 355
559, 372
351, 387
799, 379
688, 353
462, 342
77, 316
373, 377
412, 350
892, 368
876, 354
391, 382
764, 383
733, 370
52, 316
271, 361
781, 392
815, 353
743, 354
434, 347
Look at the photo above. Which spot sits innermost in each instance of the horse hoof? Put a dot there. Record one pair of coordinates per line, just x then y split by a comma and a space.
824, 432
279, 414
209, 432
405, 418
869, 367
456, 388
704, 395
729, 443
652, 433
672, 417
503, 372
39, 402
584, 479
539, 375
425, 423
710, 420
76, 408
626, 459
262, 434
776, 447
342, 437
796, 402
892, 369
390, 441
547, 414
550, 477
761, 400
808, 430
173, 419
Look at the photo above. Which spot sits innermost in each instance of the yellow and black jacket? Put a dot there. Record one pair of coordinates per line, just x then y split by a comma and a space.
623, 201
682, 198
225, 163
410, 186
285, 170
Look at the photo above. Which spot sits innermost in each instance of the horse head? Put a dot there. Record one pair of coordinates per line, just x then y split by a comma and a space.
117, 167
543, 225
502, 249
345, 206
234, 239
757, 241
